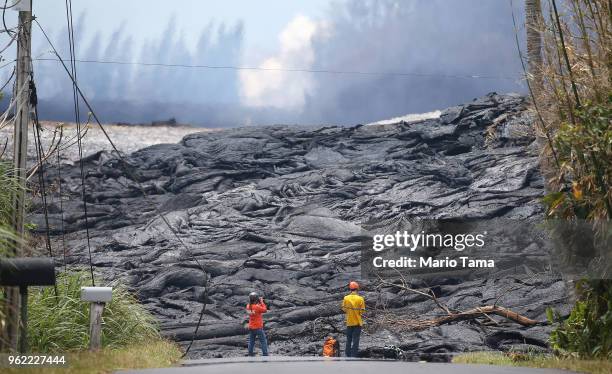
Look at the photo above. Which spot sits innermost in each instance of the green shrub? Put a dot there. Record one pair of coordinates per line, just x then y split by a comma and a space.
58, 324
584, 148
588, 330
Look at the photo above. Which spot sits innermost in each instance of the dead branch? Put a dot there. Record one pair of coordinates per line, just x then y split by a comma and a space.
484, 310
80, 135
453, 315
416, 324
53, 146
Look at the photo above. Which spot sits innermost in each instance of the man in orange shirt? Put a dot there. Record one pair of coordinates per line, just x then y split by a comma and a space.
353, 306
255, 308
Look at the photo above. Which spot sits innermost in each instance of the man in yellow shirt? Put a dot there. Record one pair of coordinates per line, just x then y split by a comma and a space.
353, 306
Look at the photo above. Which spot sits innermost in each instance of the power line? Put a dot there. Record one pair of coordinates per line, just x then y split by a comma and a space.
131, 174
11, 41
61, 204
11, 62
77, 117
289, 70
41, 171
4, 8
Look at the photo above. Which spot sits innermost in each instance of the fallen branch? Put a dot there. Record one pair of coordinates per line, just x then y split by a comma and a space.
415, 324
485, 310
453, 315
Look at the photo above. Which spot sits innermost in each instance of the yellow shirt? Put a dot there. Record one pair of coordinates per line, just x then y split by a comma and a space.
354, 306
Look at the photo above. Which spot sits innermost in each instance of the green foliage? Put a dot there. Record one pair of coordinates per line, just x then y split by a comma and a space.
584, 149
30, 226
58, 324
8, 186
588, 330
575, 105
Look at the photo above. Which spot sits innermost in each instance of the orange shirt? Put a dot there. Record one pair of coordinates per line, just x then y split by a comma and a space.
255, 315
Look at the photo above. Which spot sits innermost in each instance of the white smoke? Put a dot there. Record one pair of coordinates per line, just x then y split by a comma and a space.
274, 87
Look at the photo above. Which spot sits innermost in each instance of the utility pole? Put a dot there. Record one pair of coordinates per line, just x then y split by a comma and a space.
20, 152
534, 22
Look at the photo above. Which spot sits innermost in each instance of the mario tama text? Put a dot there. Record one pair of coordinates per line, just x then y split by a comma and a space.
405, 241
458, 249
467, 249
432, 263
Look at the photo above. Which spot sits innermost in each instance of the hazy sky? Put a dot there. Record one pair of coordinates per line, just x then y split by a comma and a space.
147, 19
436, 46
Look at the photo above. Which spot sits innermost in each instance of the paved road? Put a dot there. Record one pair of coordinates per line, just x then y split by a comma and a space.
292, 365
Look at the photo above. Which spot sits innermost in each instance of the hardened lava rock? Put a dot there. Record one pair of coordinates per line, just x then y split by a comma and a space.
279, 209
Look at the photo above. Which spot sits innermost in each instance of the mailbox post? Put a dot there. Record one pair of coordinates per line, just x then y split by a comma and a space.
25, 272
97, 297
23, 332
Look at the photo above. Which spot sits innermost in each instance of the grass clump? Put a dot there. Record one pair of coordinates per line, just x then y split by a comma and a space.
61, 323
8, 187
535, 361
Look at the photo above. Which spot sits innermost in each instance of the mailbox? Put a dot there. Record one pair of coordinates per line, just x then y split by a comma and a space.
24, 272
27, 271
97, 297
97, 294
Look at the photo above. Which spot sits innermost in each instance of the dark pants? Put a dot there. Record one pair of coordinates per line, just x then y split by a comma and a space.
352, 341
262, 340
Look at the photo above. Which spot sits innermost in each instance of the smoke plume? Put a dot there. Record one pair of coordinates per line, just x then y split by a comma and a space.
430, 50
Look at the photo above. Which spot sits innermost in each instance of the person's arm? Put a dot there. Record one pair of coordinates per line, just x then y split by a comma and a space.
261, 307
344, 306
362, 306
249, 309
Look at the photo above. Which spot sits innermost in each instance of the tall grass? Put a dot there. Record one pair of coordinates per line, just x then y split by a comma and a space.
575, 101
8, 187
59, 324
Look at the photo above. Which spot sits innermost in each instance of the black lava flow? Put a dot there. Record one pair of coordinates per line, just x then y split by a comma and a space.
278, 209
